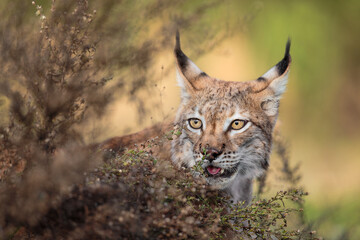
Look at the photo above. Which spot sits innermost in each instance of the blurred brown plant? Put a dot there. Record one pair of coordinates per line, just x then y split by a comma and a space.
54, 72
51, 82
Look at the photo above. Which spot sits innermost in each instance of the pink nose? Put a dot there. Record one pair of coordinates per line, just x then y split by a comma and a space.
212, 154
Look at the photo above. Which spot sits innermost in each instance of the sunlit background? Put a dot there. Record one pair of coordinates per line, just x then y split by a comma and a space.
241, 40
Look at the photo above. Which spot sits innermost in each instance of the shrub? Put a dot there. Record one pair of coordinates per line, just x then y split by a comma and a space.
55, 78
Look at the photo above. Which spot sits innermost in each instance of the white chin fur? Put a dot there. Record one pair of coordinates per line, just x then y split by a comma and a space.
220, 183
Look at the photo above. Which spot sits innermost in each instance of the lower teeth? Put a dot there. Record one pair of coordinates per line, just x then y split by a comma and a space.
222, 171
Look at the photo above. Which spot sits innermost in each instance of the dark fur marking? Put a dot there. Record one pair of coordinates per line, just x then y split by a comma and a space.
248, 142
261, 79
284, 63
229, 93
265, 164
182, 59
203, 74
266, 130
187, 138
180, 56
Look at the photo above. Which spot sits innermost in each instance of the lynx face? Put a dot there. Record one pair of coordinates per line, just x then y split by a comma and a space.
226, 126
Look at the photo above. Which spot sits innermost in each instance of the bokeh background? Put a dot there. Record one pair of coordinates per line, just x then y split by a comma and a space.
239, 41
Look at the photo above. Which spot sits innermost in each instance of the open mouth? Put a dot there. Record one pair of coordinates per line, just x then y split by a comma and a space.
213, 171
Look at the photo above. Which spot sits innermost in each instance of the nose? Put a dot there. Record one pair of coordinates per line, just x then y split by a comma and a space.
212, 154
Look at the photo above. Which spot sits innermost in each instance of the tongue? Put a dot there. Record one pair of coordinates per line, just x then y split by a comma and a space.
213, 170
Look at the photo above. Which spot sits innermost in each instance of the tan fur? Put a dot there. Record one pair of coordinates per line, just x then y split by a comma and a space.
132, 140
240, 154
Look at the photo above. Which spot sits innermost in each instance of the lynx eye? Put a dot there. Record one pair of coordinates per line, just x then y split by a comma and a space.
195, 123
238, 124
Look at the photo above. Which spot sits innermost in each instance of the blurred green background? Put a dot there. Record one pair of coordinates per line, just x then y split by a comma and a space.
239, 41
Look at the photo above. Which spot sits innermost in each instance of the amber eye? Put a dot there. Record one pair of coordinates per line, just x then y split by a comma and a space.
195, 123
238, 124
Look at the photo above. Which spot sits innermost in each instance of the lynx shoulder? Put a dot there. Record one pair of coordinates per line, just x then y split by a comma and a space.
226, 127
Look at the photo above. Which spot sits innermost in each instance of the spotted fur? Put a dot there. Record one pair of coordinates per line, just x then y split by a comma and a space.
241, 154
244, 155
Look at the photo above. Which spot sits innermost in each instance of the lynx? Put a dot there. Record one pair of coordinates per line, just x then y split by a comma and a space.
226, 127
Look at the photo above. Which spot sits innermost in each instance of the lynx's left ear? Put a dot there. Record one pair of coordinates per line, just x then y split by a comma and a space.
272, 84
189, 76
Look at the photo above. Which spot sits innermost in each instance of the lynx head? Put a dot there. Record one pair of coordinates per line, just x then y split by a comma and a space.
226, 126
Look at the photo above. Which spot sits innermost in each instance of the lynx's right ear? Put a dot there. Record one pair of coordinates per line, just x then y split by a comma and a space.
189, 76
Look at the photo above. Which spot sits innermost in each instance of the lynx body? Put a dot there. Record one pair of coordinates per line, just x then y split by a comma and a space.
226, 127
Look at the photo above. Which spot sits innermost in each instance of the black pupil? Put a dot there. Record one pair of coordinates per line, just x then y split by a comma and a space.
195, 121
236, 123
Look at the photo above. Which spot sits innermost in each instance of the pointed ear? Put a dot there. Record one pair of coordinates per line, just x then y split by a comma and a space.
189, 76
272, 84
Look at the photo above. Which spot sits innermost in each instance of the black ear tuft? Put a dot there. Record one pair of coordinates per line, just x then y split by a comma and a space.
177, 38
284, 63
287, 49
181, 58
